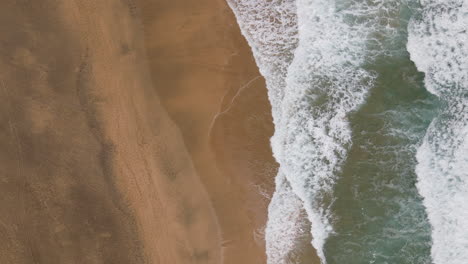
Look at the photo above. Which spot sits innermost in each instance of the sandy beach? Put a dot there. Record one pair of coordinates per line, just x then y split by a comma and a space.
132, 132
208, 81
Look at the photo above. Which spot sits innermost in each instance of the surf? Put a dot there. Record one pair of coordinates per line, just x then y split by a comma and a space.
322, 61
313, 55
438, 44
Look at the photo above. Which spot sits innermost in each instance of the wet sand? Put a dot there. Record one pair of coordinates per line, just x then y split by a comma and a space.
208, 81
131, 132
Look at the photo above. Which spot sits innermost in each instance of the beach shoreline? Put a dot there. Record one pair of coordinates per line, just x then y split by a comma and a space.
209, 83
135, 132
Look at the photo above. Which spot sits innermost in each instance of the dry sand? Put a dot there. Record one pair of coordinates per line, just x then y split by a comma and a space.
94, 170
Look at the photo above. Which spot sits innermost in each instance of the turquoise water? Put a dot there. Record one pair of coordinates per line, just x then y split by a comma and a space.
379, 217
378, 213
370, 108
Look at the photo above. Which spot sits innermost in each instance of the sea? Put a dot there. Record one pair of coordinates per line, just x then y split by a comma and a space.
370, 106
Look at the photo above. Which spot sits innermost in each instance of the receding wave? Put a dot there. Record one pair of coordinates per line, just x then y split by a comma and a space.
288, 228
438, 43
270, 28
314, 55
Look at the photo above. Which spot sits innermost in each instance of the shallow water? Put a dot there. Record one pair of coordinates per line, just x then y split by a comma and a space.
378, 211
353, 132
438, 44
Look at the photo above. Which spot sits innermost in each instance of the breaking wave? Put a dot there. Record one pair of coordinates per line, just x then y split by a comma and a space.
438, 43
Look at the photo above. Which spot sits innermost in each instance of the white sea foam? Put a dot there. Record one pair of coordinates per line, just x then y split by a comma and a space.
312, 54
270, 28
286, 225
325, 83
438, 44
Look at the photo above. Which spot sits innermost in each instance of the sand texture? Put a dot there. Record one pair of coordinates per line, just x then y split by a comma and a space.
131, 132
208, 81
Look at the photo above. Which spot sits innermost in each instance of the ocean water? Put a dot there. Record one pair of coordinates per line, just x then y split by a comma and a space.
369, 100
438, 43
